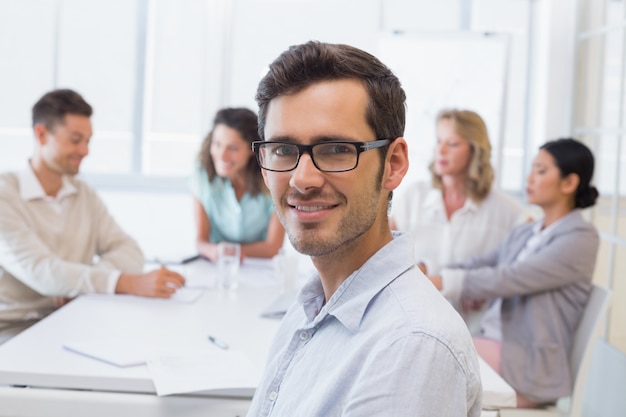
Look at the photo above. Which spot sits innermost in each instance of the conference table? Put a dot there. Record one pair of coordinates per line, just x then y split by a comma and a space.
40, 376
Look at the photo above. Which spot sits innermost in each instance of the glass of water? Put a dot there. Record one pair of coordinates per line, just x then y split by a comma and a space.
286, 270
228, 259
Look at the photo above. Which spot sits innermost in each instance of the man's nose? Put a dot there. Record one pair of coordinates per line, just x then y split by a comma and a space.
83, 149
306, 175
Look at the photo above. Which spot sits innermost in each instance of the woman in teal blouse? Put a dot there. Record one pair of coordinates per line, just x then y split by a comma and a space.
231, 202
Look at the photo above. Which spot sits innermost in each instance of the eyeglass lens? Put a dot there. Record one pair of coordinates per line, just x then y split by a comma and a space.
326, 156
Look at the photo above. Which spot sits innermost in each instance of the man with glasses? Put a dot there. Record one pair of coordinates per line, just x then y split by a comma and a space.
57, 239
368, 335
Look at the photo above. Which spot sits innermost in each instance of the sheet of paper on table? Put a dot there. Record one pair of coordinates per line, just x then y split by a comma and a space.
179, 371
501, 394
117, 352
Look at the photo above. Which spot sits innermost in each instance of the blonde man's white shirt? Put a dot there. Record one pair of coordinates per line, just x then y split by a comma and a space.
58, 246
474, 229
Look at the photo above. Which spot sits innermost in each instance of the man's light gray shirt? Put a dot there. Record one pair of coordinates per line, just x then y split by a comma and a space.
386, 343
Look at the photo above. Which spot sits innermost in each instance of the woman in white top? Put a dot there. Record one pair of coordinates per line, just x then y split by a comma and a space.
457, 214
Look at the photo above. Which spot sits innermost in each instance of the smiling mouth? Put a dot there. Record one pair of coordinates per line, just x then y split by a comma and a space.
312, 208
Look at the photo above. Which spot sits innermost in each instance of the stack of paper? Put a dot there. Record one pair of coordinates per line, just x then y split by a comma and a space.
182, 371
176, 371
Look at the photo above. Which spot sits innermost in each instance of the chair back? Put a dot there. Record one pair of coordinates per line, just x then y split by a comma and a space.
588, 328
584, 342
580, 356
605, 390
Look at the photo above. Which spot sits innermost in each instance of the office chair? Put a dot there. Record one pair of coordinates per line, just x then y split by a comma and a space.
582, 350
606, 399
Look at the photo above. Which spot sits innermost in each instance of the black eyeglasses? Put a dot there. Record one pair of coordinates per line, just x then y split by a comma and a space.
336, 156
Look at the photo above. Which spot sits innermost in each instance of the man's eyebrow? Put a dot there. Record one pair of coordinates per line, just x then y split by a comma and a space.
334, 139
281, 139
317, 139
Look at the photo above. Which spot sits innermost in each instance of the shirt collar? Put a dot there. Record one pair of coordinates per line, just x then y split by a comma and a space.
31, 189
537, 227
224, 183
434, 201
350, 301
470, 204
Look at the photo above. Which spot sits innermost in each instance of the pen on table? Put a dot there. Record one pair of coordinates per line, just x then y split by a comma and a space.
218, 342
163, 265
190, 259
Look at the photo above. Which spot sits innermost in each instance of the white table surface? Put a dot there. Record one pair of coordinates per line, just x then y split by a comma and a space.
497, 393
63, 383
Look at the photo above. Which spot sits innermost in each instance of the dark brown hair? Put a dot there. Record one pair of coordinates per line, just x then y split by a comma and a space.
244, 121
50, 109
302, 65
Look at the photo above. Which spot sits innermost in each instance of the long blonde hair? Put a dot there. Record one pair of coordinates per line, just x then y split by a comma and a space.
470, 126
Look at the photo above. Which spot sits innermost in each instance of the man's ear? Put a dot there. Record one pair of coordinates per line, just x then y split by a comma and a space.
569, 184
41, 133
396, 164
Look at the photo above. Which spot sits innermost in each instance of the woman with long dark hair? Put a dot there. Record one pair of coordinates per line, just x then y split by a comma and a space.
231, 202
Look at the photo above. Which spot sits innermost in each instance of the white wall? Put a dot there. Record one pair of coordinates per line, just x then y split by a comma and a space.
156, 71
162, 223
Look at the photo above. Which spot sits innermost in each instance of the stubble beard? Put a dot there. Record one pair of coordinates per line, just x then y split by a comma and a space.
309, 238
68, 168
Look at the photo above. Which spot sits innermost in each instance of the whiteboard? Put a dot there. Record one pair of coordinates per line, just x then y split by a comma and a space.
467, 71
